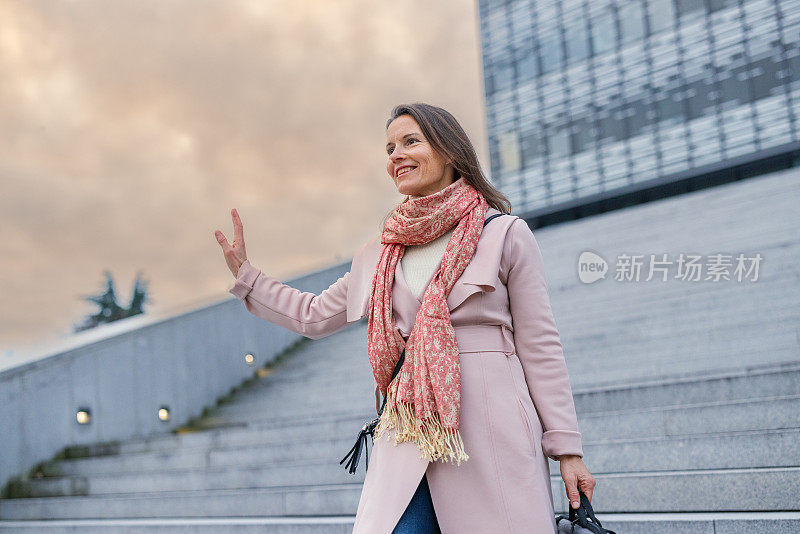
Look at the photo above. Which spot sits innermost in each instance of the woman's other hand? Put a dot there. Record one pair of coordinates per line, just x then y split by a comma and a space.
234, 253
576, 476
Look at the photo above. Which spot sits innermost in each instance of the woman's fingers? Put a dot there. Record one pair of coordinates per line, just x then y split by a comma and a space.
587, 483
238, 229
221, 240
234, 253
571, 484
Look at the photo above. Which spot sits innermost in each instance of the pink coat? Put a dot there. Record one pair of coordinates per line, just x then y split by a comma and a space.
516, 399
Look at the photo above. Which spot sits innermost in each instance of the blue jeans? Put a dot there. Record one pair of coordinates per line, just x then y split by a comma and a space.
419, 517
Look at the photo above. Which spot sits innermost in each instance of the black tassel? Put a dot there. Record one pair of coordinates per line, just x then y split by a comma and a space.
368, 430
361, 442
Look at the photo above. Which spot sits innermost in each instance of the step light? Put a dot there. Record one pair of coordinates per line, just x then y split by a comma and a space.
163, 413
83, 416
249, 358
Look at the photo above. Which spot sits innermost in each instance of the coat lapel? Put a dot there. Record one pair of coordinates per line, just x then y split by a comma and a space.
481, 273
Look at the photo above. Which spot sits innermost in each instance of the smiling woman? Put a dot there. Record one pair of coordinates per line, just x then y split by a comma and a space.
423, 160
462, 441
418, 170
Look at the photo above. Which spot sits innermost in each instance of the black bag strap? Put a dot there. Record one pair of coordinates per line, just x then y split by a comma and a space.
397, 367
584, 513
489, 218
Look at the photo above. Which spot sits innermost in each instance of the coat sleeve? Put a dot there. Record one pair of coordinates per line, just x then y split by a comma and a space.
538, 345
313, 316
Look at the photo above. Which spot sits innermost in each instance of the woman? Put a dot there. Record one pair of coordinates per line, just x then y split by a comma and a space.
483, 395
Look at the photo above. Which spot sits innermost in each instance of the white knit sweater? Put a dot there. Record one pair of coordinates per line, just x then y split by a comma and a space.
419, 261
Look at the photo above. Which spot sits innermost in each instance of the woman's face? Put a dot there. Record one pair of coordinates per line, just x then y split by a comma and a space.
416, 168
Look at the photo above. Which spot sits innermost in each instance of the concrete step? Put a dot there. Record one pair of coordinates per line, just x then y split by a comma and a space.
766, 413
732, 384
738, 450
201, 458
244, 475
352, 388
657, 353
278, 432
327, 370
233, 525
703, 523
658, 296
688, 523
309, 403
644, 360
640, 318
638, 370
692, 490
776, 269
305, 501
305, 404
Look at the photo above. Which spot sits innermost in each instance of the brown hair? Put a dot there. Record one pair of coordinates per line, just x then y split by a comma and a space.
448, 138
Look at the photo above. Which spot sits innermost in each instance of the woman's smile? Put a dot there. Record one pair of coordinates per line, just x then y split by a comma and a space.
405, 170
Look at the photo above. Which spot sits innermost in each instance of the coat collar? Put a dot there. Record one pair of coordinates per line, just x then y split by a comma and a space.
481, 273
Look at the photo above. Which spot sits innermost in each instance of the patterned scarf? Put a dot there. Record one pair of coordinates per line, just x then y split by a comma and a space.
424, 401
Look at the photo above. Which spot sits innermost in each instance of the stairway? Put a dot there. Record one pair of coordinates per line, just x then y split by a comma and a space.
684, 451
709, 453
269, 462
688, 400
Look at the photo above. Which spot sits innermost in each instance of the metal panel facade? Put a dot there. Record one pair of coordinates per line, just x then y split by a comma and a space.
587, 98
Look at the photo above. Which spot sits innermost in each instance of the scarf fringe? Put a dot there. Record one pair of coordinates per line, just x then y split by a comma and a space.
434, 441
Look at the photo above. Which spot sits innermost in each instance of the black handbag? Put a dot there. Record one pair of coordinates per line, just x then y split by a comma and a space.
578, 520
369, 428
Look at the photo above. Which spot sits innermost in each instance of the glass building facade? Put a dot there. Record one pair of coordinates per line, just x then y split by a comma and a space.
587, 99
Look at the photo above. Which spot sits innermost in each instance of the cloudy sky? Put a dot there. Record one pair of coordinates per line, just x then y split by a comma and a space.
130, 129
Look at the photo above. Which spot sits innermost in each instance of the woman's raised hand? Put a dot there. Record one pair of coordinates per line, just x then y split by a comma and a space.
234, 253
